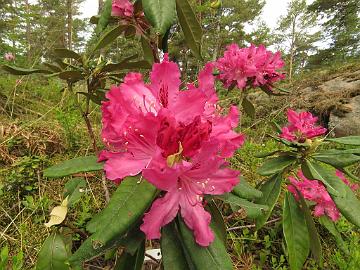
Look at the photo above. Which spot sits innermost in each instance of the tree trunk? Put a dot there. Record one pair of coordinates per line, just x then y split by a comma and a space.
292, 48
28, 30
101, 4
69, 23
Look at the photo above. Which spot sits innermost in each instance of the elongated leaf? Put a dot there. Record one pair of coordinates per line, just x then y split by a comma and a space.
171, 249
65, 53
131, 262
126, 64
315, 243
105, 17
71, 75
72, 166
245, 190
331, 227
23, 71
266, 154
109, 37
355, 151
190, 26
253, 210
218, 220
313, 171
53, 67
53, 254
275, 165
295, 232
338, 160
128, 204
74, 189
271, 190
160, 13
4, 257
351, 140
248, 107
213, 257
147, 50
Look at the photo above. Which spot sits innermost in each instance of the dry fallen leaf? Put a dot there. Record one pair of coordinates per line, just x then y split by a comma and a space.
58, 214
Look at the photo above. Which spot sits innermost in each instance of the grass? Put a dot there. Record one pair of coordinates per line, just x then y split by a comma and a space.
40, 127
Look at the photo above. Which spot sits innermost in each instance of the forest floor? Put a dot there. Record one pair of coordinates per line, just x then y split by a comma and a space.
40, 126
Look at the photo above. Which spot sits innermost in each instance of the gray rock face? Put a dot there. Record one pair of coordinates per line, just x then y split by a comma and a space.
349, 124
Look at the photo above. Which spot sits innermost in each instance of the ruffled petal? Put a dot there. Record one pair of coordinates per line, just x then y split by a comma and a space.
162, 212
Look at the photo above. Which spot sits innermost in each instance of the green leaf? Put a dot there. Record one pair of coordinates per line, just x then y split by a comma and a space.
23, 71
131, 262
127, 205
315, 243
109, 37
160, 13
65, 53
74, 189
253, 210
71, 75
173, 255
313, 171
275, 165
351, 140
266, 154
4, 257
245, 190
126, 64
213, 257
331, 227
271, 191
338, 160
190, 26
248, 107
72, 166
295, 232
53, 67
53, 254
105, 17
147, 50
218, 220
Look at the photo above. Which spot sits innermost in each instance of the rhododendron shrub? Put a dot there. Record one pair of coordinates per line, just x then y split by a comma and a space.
318, 182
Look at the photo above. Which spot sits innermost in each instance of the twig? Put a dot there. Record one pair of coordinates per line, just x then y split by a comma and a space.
152, 258
252, 225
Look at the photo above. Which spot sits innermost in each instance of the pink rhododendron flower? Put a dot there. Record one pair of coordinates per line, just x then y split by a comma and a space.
314, 190
252, 66
339, 174
9, 57
301, 126
186, 183
122, 8
158, 129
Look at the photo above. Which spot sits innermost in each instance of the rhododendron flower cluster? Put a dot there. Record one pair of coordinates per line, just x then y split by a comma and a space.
177, 139
315, 191
301, 126
9, 57
252, 66
122, 8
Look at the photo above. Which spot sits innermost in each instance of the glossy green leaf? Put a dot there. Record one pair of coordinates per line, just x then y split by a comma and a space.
23, 71
248, 107
53, 67
109, 36
127, 205
74, 189
105, 17
71, 75
275, 165
131, 262
331, 227
338, 160
65, 53
266, 154
253, 210
245, 190
315, 243
147, 50
313, 170
126, 64
173, 255
53, 254
190, 26
295, 232
270, 194
218, 220
72, 166
160, 13
350, 140
214, 257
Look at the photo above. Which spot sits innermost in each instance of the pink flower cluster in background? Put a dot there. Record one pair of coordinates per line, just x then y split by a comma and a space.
176, 138
315, 191
301, 126
122, 8
249, 67
9, 57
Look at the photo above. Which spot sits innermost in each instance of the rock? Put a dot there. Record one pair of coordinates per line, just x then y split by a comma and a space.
349, 123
